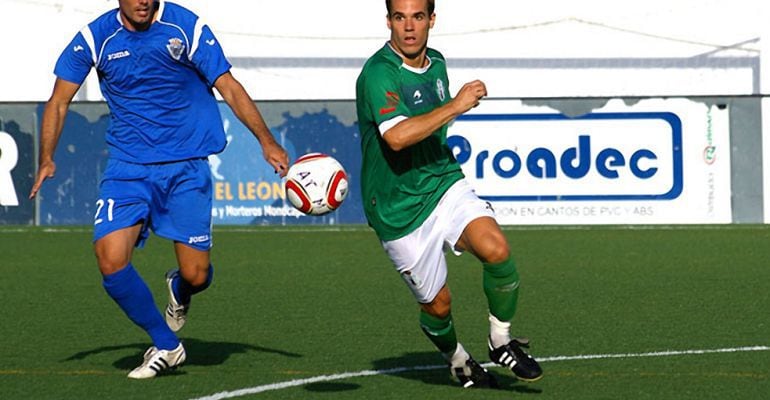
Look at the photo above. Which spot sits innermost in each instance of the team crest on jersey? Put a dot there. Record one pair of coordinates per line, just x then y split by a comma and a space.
391, 101
175, 48
440, 89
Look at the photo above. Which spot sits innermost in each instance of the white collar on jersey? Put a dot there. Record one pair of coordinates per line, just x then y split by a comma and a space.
409, 67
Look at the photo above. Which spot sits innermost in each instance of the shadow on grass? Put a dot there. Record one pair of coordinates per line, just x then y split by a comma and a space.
199, 352
328, 387
429, 368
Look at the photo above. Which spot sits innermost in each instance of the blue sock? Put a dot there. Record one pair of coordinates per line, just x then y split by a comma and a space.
133, 296
183, 291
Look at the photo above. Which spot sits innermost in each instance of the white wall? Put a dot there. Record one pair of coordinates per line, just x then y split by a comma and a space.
545, 48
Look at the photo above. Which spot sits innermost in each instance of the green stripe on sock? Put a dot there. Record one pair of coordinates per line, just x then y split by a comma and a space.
501, 285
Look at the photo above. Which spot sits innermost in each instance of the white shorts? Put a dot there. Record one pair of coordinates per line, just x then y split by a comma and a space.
419, 256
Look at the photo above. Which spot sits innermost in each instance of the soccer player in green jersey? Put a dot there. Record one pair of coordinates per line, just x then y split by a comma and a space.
417, 199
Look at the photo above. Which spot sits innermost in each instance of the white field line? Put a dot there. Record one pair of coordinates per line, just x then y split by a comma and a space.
346, 375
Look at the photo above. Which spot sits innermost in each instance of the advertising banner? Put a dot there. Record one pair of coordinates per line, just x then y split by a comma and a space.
654, 162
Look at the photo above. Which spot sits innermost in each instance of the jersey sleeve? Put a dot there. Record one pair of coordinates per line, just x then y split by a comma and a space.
75, 61
207, 54
382, 93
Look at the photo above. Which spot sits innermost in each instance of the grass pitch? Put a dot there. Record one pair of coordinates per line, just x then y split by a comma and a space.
298, 313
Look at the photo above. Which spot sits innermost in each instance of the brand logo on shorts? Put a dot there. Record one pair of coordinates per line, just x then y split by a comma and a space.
198, 239
411, 279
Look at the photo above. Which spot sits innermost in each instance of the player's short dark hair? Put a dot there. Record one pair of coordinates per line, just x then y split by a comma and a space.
431, 6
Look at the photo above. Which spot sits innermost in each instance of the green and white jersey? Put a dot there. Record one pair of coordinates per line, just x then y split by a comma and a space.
400, 189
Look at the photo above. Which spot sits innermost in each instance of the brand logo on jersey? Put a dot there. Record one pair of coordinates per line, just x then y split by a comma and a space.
119, 54
417, 97
198, 239
440, 89
391, 101
211, 42
77, 48
175, 48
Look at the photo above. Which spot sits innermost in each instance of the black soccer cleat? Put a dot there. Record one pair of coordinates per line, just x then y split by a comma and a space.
513, 357
473, 375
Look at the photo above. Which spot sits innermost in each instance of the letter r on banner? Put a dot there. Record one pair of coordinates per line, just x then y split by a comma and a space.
9, 155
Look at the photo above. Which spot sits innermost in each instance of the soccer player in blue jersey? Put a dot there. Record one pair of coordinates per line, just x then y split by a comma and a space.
157, 63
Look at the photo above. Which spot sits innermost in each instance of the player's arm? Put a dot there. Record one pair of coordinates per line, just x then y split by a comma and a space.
244, 108
414, 129
50, 130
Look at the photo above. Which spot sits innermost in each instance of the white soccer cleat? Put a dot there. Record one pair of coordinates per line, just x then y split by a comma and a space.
158, 360
176, 313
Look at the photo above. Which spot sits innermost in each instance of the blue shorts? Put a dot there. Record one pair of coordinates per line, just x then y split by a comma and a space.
173, 199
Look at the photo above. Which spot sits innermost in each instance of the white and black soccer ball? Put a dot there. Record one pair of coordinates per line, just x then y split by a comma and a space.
316, 184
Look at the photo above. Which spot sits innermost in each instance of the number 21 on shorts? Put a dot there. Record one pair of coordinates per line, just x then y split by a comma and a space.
99, 207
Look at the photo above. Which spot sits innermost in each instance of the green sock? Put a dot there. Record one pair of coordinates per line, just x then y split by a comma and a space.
440, 331
501, 285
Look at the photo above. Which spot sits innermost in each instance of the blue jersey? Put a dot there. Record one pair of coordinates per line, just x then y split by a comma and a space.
157, 84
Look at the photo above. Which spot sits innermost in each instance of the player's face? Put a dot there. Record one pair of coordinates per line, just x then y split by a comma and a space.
137, 15
409, 24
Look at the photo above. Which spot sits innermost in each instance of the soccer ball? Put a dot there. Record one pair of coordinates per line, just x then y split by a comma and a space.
316, 184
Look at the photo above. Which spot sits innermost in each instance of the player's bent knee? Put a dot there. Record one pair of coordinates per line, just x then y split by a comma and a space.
496, 251
441, 305
194, 278
502, 253
437, 310
109, 260
195, 274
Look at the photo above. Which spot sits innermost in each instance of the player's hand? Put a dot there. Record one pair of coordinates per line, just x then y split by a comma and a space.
45, 170
276, 156
470, 95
